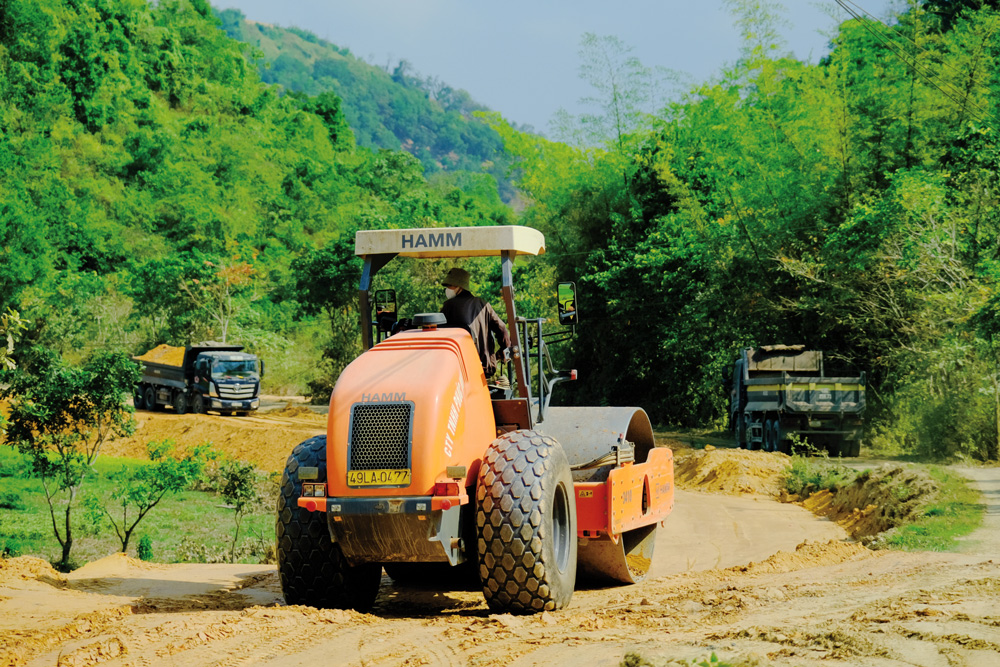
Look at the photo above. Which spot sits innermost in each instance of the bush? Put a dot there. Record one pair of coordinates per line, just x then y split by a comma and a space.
145, 549
807, 475
10, 547
11, 500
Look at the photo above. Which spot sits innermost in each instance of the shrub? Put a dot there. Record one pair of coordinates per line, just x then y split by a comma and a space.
145, 549
806, 476
11, 500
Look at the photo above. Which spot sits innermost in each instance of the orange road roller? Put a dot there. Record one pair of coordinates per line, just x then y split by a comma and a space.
425, 466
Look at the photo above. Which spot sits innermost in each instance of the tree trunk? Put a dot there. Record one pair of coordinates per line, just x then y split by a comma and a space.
67, 544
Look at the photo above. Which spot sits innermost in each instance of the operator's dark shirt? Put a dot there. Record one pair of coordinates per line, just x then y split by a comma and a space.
477, 316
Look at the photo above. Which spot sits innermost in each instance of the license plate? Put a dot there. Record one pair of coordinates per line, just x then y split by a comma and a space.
825, 396
378, 477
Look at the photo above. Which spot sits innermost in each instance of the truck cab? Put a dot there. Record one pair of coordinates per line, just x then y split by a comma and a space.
228, 381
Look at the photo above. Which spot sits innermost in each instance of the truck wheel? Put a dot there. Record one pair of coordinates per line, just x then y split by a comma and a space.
180, 403
855, 449
149, 398
137, 397
781, 442
739, 430
770, 436
198, 404
526, 518
311, 567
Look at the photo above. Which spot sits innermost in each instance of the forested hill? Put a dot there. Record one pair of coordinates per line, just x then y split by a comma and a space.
397, 110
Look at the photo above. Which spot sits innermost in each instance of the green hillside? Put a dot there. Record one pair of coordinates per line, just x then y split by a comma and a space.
153, 189
397, 110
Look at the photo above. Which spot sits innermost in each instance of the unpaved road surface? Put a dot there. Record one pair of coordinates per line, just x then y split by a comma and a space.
736, 573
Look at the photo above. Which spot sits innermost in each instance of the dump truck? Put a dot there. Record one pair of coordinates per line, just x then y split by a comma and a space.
207, 376
427, 465
777, 391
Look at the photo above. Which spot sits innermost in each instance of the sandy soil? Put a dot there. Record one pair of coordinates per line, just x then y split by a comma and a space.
266, 438
736, 573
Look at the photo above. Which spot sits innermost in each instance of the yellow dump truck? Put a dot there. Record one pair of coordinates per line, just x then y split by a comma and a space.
199, 378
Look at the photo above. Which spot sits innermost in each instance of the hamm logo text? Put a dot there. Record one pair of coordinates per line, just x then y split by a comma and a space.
430, 240
387, 397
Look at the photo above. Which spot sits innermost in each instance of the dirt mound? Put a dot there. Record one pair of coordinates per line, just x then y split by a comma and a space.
731, 471
807, 554
110, 566
876, 501
25, 567
265, 439
164, 354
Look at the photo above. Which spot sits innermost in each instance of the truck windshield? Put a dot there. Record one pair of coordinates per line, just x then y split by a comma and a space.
243, 368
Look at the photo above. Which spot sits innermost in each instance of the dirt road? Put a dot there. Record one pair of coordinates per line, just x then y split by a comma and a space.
736, 573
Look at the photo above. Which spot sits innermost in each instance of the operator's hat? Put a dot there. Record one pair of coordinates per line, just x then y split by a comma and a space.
457, 277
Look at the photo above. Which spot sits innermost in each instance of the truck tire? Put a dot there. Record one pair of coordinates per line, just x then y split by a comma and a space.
782, 443
770, 443
180, 403
149, 397
311, 567
198, 404
137, 397
855, 449
526, 519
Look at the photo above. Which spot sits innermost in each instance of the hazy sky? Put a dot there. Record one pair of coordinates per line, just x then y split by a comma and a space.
520, 57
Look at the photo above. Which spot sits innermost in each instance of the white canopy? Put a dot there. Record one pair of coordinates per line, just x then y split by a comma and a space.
450, 241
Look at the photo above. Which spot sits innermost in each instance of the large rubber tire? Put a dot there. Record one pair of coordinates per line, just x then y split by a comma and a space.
311, 567
526, 518
149, 398
137, 397
180, 403
198, 404
770, 444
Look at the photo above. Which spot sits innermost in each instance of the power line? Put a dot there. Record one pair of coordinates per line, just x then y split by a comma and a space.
956, 95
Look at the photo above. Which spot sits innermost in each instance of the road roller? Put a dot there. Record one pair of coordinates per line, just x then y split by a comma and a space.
429, 467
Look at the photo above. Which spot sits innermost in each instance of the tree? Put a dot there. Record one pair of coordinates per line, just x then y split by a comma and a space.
224, 293
623, 92
60, 416
241, 489
137, 490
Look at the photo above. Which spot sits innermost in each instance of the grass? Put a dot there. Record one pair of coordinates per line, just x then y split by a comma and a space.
188, 526
955, 512
808, 475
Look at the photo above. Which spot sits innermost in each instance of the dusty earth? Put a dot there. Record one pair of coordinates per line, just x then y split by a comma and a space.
736, 572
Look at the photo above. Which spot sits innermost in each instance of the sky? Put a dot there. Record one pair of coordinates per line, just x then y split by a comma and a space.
521, 57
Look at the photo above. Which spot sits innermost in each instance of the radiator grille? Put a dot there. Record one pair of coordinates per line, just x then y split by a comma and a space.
380, 436
237, 391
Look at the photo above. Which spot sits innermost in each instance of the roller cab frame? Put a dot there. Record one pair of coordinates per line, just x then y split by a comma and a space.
426, 465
